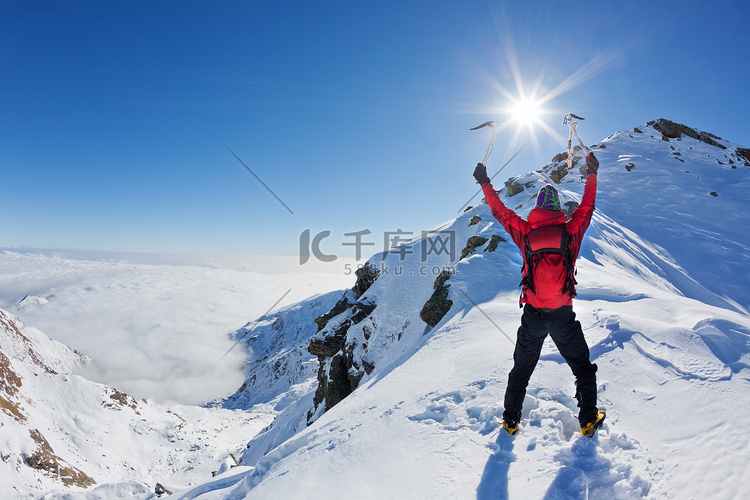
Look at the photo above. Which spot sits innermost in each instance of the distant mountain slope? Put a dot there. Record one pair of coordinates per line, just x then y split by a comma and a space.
413, 366
59, 430
33, 347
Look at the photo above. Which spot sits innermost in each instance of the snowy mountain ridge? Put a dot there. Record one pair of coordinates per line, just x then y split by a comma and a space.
61, 430
33, 347
645, 302
393, 389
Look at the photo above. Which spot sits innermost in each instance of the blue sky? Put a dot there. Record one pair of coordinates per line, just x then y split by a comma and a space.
114, 116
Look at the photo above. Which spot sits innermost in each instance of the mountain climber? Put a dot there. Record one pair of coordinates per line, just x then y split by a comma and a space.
548, 291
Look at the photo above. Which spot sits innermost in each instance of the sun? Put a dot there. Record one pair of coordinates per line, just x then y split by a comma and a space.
525, 111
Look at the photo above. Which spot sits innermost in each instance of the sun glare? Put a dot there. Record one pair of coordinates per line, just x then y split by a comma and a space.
525, 111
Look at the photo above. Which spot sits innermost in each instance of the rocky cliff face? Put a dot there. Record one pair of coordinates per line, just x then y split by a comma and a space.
277, 347
341, 364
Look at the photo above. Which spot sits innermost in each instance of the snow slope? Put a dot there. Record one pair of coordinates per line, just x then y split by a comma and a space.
58, 429
663, 299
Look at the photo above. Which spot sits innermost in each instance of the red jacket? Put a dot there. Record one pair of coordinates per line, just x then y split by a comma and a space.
550, 268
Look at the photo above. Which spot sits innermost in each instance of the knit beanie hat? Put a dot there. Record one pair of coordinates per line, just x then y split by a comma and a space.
548, 198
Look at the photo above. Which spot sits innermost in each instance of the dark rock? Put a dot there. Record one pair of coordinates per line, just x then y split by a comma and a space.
161, 490
745, 153
339, 386
513, 188
44, 459
471, 245
330, 344
668, 128
323, 319
320, 392
354, 379
689, 132
118, 400
494, 241
438, 305
672, 130
711, 139
557, 175
361, 310
560, 157
367, 332
369, 367
637, 130
441, 279
474, 220
714, 193
336, 378
366, 276
335, 382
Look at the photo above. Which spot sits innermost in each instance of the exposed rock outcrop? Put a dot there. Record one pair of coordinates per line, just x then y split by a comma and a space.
338, 371
745, 153
471, 245
10, 382
44, 459
513, 187
495, 239
674, 130
438, 305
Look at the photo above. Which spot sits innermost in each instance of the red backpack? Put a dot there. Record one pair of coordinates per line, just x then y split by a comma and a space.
545, 240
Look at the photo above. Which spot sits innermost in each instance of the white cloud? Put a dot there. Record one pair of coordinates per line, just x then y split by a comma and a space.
156, 331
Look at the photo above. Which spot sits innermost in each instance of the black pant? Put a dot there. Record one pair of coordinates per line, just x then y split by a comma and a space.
567, 334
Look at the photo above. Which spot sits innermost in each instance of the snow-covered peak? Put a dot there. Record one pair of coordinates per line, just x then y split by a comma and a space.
677, 192
29, 345
61, 431
416, 366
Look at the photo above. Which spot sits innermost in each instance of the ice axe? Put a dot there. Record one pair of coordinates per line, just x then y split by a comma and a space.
570, 120
492, 126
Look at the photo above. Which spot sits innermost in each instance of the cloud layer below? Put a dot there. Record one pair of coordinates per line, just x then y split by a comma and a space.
154, 331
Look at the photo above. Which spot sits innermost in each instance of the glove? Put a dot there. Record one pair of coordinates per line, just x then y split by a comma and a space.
592, 164
480, 174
